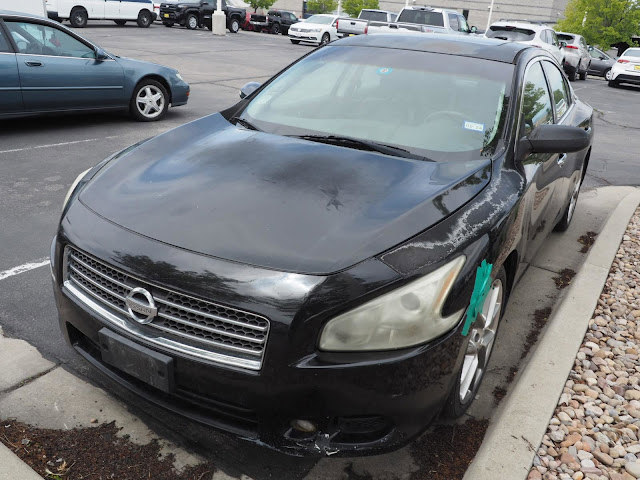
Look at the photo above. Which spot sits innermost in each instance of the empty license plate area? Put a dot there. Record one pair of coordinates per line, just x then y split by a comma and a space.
149, 366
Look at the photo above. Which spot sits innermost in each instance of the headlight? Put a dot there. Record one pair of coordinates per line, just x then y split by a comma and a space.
409, 315
73, 187
179, 76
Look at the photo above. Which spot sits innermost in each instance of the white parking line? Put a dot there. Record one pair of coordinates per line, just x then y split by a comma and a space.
51, 145
24, 268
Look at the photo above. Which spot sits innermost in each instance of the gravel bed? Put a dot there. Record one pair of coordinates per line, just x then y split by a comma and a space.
594, 432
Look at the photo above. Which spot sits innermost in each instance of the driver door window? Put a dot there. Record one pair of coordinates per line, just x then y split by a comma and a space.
36, 39
536, 101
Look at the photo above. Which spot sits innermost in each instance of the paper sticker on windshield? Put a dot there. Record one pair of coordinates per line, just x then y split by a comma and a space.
385, 70
476, 127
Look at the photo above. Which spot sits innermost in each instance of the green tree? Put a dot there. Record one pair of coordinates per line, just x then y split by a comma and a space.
265, 4
321, 6
353, 7
602, 22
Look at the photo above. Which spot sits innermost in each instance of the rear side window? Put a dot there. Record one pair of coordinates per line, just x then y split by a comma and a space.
423, 17
4, 43
559, 90
632, 52
536, 103
511, 33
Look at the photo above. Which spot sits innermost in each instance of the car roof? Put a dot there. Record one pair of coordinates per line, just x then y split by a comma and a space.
465, 46
434, 9
10, 13
536, 27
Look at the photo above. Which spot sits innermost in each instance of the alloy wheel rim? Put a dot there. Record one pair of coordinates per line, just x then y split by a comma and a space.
150, 101
193, 22
573, 202
325, 39
79, 18
607, 75
481, 340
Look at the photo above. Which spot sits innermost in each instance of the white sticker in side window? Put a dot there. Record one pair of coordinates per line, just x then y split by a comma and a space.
476, 127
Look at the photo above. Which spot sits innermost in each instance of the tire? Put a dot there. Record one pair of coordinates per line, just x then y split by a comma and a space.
120, 23
583, 74
78, 17
326, 38
145, 19
295, 42
570, 209
192, 22
168, 24
606, 73
275, 28
462, 395
142, 110
613, 83
572, 74
234, 25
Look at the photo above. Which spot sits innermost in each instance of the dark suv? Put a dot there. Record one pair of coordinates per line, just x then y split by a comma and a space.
198, 14
276, 21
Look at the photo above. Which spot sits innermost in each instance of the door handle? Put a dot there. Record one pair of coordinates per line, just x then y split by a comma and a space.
561, 159
33, 64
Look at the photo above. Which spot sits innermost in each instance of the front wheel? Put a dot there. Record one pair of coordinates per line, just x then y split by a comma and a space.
120, 23
145, 19
326, 38
234, 25
149, 101
79, 17
478, 349
295, 42
192, 22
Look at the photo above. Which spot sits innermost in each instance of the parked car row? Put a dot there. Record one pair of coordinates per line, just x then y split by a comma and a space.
198, 14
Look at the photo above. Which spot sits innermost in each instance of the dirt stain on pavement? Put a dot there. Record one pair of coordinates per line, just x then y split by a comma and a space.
540, 318
445, 452
587, 240
564, 278
92, 453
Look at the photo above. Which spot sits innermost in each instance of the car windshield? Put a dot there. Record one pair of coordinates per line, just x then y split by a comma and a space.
632, 52
373, 15
442, 107
510, 33
423, 17
319, 19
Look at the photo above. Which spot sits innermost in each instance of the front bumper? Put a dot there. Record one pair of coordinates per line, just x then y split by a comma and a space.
305, 36
360, 403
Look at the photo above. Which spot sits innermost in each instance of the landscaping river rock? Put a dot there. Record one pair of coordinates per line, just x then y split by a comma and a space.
594, 432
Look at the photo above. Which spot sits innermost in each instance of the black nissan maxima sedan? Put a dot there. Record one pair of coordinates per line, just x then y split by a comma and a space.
322, 268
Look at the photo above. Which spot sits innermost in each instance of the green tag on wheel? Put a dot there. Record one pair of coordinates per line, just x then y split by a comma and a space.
479, 294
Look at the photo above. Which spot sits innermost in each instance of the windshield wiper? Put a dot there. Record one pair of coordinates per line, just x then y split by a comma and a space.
362, 145
244, 123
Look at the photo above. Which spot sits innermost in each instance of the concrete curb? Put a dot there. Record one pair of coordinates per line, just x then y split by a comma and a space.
12, 468
511, 441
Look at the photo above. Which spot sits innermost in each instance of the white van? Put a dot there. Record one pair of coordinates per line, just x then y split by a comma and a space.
78, 12
34, 7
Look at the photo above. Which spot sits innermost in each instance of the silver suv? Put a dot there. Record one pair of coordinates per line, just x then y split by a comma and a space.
576, 55
531, 33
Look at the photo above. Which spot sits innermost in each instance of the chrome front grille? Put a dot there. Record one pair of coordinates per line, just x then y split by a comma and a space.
183, 323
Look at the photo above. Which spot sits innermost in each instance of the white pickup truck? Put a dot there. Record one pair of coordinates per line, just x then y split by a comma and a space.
417, 19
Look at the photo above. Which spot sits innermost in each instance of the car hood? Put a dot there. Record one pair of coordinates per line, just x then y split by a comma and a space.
276, 202
130, 64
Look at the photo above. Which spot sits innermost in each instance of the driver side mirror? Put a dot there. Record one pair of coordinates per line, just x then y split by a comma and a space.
474, 29
101, 55
248, 89
555, 139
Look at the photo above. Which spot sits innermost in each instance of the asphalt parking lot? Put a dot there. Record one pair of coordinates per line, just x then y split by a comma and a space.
39, 158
